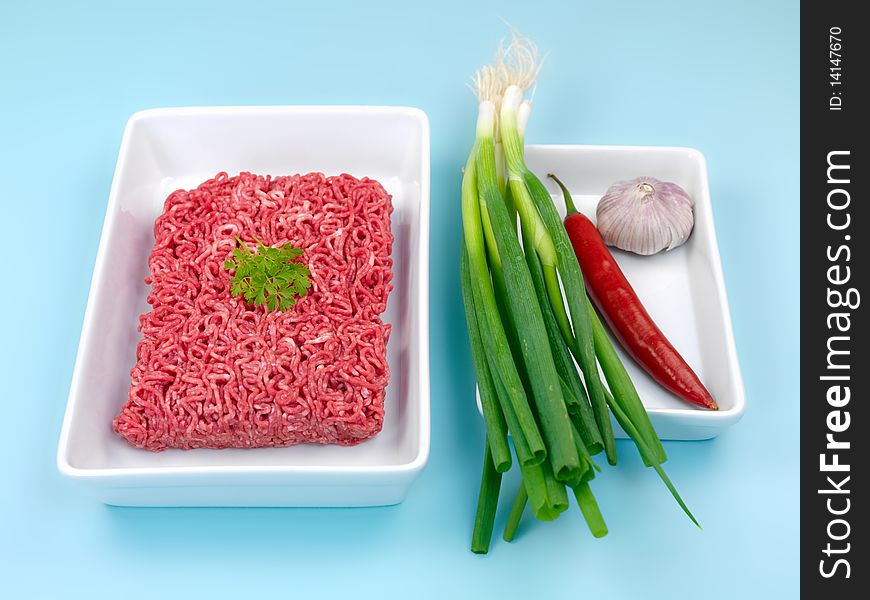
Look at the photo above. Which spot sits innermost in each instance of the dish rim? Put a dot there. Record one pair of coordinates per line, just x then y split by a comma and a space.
421, 457
714, 420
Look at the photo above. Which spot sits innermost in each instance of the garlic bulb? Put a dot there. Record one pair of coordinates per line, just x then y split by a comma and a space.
645, 215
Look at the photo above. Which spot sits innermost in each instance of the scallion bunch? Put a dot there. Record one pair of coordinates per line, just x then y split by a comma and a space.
524, 343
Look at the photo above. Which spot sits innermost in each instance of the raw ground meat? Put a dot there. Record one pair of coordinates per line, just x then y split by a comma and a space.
214, 372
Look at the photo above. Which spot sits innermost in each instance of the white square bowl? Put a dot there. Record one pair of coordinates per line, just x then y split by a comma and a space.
167, 149
683, 289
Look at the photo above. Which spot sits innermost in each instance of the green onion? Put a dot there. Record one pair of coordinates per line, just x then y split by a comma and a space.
582, 343
525, 455
499, 172
487, 503
589, 465
498, 354
536, 488
493, 418
589, 508
516, 514
581, 418
523, 342
530, 330
509, 202
543, 226
576, 400
647, 454
556, 494
624, 392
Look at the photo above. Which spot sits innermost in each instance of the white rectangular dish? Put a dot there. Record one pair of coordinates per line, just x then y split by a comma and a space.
683, 289
166, 149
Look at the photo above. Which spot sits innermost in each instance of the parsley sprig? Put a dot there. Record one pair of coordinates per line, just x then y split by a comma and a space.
270, 276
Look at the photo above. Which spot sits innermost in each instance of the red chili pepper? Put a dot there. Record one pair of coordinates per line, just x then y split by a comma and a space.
630, 323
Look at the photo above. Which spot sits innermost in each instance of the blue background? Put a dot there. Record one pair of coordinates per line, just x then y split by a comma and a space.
722, 77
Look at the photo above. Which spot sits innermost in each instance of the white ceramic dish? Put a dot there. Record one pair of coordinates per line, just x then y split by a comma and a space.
683, 290
166, 149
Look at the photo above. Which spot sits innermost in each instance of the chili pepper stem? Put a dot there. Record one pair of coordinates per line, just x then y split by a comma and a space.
569, 202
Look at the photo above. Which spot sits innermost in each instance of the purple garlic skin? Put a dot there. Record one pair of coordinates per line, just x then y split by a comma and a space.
645, 215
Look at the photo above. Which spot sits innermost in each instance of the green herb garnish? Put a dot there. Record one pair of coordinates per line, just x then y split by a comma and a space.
269, 276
